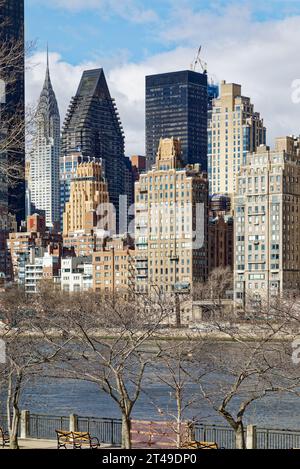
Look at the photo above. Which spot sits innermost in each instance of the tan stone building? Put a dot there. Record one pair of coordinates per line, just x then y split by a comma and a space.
171, 203
84, 244
267, 217
114, 266
233, 130
88, 191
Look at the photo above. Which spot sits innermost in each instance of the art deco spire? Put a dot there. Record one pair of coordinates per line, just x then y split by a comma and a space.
47, 106
44, 158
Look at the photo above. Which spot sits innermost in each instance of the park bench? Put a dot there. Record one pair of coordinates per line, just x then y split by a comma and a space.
64, 439
76, 440
4, 437
201, 445
82, 439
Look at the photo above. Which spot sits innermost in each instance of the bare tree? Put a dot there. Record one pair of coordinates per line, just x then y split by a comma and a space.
108, 341
252, 366
26, 354
178, 368
215, 293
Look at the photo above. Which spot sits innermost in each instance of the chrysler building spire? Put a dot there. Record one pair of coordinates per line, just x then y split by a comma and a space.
45, 154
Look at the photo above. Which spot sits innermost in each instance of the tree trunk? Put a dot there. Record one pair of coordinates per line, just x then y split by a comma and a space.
14, 390
13, 433
240, 437
126, 436
179, 418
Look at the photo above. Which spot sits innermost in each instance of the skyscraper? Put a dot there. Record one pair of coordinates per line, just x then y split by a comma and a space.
44, 157
68, 167
233, 130
12, 121
267, 236
213, 93
176, 106
93, 127
88, 191
166, 218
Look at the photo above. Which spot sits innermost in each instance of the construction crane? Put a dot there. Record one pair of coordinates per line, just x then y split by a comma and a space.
199, 61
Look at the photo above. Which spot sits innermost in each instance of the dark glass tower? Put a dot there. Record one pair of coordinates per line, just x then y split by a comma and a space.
93, 128
176, 106
213, 93
12, 119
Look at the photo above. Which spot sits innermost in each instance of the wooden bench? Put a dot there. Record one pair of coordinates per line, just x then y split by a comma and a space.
64, 439
201, 445
4, 437
76, 440
84, 439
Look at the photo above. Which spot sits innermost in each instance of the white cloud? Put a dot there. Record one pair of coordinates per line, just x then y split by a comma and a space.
262, 56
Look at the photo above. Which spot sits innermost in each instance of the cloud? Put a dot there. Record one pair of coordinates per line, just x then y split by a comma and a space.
260, 55
130, 10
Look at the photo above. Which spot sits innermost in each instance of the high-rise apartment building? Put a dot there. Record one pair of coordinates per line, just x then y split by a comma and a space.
233, 130
27, 189
88, 191
267, 209
68, 168
220, 233
114, 266
44, 157
93, 128
12, 122
171, 212
176, 106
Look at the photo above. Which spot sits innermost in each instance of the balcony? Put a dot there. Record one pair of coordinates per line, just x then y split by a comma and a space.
142, 275
141, 259
141, 243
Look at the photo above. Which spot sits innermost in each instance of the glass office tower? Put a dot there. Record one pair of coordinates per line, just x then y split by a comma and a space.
176, 106
12, 115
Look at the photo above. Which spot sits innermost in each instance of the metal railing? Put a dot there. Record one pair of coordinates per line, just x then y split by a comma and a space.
4, 424
44, 426
277, 439
109, 431
106, 430
222, 435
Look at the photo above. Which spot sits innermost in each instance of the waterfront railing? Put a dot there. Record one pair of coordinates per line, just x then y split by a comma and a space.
109, 431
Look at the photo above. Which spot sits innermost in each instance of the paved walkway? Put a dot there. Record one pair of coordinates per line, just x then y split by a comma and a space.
36, 444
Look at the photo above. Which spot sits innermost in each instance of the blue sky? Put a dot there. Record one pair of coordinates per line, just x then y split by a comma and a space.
87, 30
252, 43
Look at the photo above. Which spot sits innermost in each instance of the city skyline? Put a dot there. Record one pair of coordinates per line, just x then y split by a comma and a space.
150, 290
269, 38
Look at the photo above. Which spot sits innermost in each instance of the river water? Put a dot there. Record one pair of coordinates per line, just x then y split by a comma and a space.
63, 397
